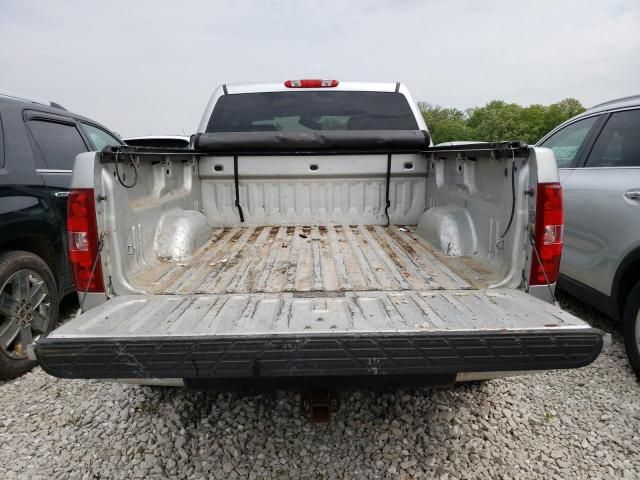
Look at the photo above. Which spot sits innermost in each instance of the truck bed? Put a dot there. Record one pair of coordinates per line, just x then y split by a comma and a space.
303, 258
278, 271
310, 303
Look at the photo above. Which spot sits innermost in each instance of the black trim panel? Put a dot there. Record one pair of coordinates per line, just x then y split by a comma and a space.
588, 295
585, 148
629, 271
369, 354
592, 137
29, 115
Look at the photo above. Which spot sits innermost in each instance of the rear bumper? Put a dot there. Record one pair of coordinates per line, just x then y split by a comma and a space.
260, 359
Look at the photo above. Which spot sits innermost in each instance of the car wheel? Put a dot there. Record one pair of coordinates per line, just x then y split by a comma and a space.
28, 309
631, 329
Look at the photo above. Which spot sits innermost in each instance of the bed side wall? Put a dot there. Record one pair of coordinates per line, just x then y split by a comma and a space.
469, 200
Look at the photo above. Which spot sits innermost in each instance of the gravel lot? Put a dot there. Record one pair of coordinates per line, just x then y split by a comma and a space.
570, 424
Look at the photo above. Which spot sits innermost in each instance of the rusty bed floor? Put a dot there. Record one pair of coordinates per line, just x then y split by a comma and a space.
333, 258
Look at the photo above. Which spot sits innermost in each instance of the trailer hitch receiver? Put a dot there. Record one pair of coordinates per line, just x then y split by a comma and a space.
319, 404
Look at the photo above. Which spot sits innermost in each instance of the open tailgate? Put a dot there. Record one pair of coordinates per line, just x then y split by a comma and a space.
311, 334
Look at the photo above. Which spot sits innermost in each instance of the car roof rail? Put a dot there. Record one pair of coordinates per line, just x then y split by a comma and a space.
57, 105
616, 100
24, 98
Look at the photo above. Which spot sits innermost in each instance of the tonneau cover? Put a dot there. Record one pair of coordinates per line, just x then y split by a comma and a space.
321, 141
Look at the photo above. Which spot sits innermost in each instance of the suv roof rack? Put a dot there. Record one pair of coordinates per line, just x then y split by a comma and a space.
616, 100
57, 105
15, 96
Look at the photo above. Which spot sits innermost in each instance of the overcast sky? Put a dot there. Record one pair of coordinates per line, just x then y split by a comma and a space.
149, 67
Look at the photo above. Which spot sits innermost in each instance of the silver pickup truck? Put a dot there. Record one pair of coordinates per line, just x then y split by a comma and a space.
313, 238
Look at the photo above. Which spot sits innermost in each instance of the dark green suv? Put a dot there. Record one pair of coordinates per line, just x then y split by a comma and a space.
38, 146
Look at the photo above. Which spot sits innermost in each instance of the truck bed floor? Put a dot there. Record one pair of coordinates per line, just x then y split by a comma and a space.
313, 302
329, 258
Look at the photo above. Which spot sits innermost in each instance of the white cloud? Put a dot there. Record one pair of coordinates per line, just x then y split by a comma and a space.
149, 67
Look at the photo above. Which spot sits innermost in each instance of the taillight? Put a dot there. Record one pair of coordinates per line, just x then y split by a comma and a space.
547, 234
311, 83
82, 234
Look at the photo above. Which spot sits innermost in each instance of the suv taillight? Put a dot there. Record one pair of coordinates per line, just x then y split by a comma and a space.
547, 234
82, 234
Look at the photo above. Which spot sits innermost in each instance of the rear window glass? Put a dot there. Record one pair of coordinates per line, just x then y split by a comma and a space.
58, 142
311, 110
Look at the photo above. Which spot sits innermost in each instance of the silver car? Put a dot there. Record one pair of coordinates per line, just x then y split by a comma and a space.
598, 154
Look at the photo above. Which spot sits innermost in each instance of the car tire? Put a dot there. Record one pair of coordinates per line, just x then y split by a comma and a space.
28, 309
631, 329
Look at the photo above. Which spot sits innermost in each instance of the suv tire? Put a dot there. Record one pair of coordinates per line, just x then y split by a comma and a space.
28, 309
631, 329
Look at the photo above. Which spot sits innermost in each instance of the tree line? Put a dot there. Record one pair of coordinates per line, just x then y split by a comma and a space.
497, 120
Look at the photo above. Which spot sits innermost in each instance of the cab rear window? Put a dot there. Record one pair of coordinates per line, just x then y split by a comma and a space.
311, 110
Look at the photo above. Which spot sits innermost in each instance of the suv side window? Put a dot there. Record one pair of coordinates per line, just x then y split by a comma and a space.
59, 143
566, 143
618, 144
99, 137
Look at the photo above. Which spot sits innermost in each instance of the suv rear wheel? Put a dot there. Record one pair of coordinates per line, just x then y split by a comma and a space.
28, 309
631, 329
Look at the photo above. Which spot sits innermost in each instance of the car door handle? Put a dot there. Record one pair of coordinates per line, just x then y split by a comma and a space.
633, 194
62, 194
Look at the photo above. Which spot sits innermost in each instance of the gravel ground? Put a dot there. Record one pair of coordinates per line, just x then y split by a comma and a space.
560, 425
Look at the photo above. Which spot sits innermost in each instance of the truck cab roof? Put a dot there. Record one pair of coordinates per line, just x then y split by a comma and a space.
236, 88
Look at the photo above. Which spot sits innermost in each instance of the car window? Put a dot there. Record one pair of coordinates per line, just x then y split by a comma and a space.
311, 110
618, 144
59, 143
566, 143
99, 137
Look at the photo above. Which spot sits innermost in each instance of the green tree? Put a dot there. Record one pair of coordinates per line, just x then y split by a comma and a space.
446, 124
533, 120
497, 121
561, 111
